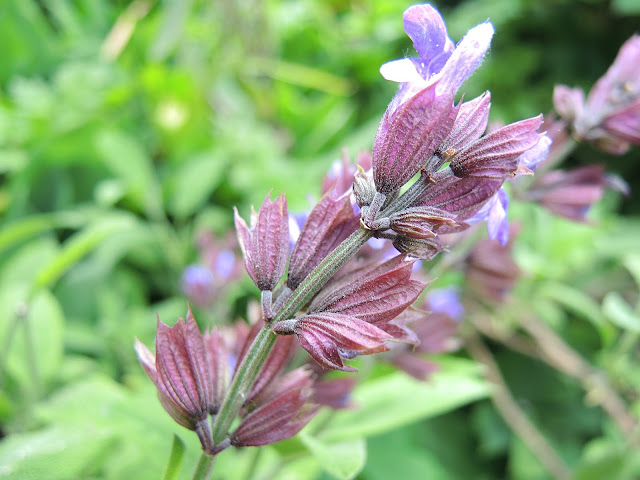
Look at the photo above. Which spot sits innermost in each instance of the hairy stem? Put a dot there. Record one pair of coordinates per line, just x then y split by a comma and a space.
557, 353
513, 415
204, 467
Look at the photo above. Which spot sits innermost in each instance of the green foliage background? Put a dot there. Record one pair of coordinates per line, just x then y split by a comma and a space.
128, 127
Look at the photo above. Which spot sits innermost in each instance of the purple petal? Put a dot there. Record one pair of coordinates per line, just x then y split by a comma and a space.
494, 212
446, 300
466, 57
424, 25
535, 155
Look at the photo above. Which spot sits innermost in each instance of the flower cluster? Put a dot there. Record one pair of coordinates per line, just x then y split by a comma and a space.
424, 132
192, 373
319, 288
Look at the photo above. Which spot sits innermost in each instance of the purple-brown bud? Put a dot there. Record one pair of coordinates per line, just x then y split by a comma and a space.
180, 370
281, 416
329, 223
330, 337
496, 154
408, 136
265, 245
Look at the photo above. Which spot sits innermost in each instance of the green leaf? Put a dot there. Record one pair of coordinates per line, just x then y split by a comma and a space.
626, 7
343, 460
194, 181
57, 453
575, 301
81, 244
395, 400
632, 263
616, 309
29, 226
34, 338
175, 459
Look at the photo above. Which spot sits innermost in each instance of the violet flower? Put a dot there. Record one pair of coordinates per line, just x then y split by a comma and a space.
423, 131
610, 116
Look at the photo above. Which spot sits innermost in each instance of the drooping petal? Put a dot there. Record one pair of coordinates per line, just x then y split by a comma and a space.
494, 212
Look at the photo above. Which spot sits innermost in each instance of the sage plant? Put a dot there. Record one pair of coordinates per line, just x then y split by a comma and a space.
433, 170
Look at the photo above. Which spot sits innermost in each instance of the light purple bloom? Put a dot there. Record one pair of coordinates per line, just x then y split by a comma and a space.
197, 283
439, 62
494, 212
446, 300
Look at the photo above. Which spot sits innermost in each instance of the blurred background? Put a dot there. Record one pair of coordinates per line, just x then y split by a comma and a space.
129, 130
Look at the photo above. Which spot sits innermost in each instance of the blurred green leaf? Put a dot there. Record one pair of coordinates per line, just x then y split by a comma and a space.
127, 159
175, 459
343, 460
575, 300
26, 227
626, 7
395, 400
65, 452
36, 349
194, 181
81, 244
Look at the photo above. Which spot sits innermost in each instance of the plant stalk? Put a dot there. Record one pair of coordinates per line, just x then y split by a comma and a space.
254, 359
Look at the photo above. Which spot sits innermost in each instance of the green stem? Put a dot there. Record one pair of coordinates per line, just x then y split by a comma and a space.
242, 381
322, 273
254, 359
204, 468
